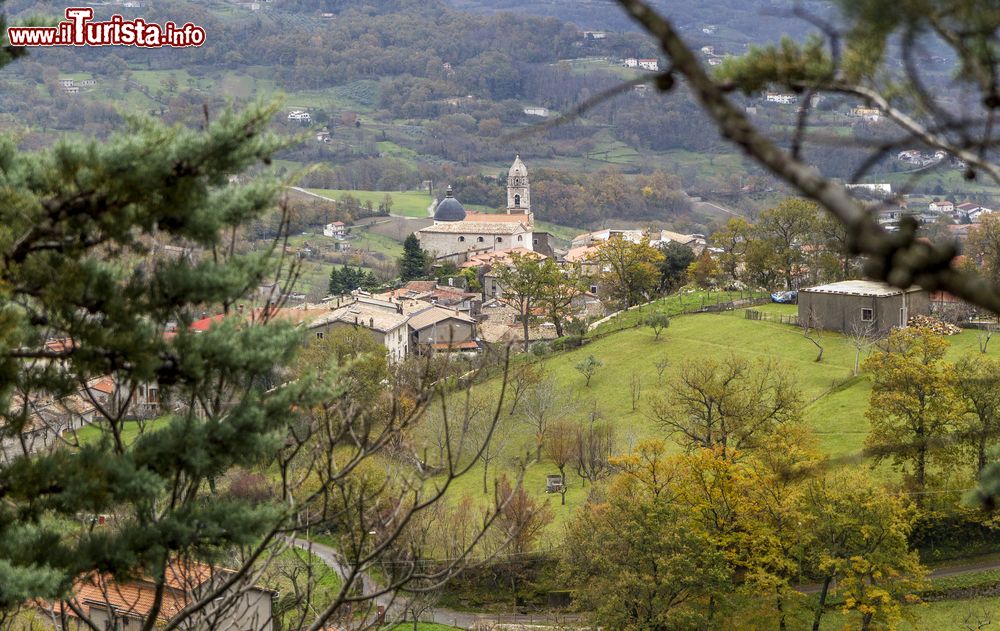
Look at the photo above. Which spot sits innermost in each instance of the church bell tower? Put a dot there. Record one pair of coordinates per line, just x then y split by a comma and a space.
518, 189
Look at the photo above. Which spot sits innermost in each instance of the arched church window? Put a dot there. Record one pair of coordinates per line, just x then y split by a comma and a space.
520, 238
462, 239
480, 239
499, 239
517, 200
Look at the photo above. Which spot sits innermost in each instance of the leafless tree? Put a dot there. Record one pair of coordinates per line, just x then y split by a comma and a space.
560, 449
595, 444
417, 604
861, 336
812, 329
635, 389
524, 376
661, 366
544, 402
490, 437
984, 334
327, 481
977, 620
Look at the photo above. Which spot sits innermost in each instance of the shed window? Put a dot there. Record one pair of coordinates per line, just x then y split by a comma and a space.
867, 315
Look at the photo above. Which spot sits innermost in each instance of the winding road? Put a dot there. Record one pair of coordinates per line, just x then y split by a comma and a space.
470, 620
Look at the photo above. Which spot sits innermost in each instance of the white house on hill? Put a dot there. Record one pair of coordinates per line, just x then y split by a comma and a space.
337, 230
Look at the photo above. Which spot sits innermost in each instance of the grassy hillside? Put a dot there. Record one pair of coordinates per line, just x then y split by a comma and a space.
836, 401
408, 203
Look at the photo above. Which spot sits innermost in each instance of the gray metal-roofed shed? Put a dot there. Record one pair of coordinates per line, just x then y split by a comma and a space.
853, 305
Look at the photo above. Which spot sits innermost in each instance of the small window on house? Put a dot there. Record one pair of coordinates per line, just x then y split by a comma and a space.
867, 315
520, 237
461, 239
480, 239
593, 289
319, 335
499, 239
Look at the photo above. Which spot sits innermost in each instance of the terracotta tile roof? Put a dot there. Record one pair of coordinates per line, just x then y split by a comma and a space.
105, 385
133, 598
206, 323
45, 413
299, 315
60, 345
418, 286
501, 257
366, 315
136, 598
580, 254
501, 217
432, 315
476, 227
462, 346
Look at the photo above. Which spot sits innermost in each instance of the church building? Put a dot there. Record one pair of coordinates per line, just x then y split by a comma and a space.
458, 234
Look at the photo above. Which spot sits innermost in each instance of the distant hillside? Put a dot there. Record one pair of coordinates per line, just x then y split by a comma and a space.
741, 20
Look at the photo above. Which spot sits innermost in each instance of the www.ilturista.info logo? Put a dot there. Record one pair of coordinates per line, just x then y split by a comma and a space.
79, 29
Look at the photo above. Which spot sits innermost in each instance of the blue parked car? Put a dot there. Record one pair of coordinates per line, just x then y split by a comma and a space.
785, 297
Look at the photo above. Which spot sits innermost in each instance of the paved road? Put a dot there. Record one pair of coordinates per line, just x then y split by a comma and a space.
941, 572
468, 620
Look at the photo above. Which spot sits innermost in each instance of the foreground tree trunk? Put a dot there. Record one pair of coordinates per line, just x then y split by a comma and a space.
821, 605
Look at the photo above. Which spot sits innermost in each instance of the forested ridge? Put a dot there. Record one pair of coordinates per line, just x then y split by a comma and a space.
411, 92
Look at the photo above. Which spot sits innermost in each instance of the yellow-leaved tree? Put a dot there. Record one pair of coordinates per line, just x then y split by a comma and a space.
915, 407
861, 541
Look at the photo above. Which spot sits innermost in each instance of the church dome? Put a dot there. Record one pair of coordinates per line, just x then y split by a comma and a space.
450, 209
518, 169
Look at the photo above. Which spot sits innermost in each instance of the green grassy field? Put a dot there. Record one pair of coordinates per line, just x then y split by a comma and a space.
946, 615
130, 432
563, 233
586, 65
407, 203
374, 242
614, 153
835, 400
949, 180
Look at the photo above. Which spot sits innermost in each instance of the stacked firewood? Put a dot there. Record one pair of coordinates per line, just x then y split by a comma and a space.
937, 326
